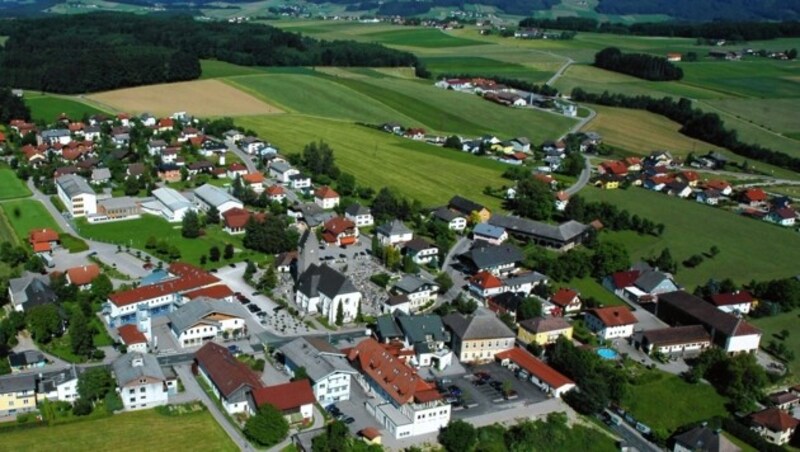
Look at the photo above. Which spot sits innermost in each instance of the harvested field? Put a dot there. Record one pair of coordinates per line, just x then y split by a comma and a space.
200, 97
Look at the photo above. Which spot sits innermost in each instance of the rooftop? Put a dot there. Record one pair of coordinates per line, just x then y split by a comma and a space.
706, 314
486, 326
228, 374
73, 185
285, 397
614, 316
535, 367
188, 277
544, 324
214, 196
132, 367
130, 335
564, 232
677, 335
317, 356
198, 311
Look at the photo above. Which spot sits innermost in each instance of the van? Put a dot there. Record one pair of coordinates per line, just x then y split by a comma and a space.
613, 419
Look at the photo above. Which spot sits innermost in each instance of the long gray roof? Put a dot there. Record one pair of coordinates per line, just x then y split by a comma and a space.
564, 232
280, 167
126, 370
318, 363
17, 383
214, 196
649, 280
325, 280
74, 185
31, 290
418, 327
486, 326
411, 283
356, 210
488, 256
171, 198
195, 311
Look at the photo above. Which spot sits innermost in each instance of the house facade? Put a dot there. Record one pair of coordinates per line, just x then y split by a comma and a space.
611, 322
231, 381
204, 319
77, 195
327, 368
544, 330
141, 383
321, 289
17, 394
479, 338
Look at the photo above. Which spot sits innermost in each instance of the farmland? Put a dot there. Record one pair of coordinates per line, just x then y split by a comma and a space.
201, 98
11, 186
219, 69
692, 228
425, 37
48, 108
124, 431
427, 173
772, 326
484, 66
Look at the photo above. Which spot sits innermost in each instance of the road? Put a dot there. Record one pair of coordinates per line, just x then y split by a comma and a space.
244, 156
632, 437
560, 71
461, 246
583, 179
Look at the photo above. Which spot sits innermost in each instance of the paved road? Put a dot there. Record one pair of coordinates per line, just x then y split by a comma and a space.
461, 246
244, 156
633, 437
583, 179
560, 71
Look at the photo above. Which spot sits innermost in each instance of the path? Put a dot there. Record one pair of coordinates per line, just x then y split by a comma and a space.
560, 71
586, 173
243, 156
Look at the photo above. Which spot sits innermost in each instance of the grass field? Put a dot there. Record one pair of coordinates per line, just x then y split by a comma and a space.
48, 108
692, 228
773, 325
588, 287
32, 215
484, 66
654, 403
219, 69
420, 37
10, 185
377, 159
124, 432
201, 98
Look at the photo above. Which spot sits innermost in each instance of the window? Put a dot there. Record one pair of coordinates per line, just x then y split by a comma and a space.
131, 391
133, 399
143, 389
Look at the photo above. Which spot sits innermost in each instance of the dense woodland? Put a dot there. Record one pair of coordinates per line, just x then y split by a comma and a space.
734, 31
12, 107
408, 8
706, 10
707, 127
640, 65
103, 51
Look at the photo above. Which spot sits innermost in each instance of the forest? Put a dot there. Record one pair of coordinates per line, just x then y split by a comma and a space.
706, 10
406, 8
729, 30
640, 65
12, 107
695, 123
103, 51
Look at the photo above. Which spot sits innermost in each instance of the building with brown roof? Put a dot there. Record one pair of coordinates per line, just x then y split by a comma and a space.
254, 181
326, 197
611, 322
295, 400
740, 301
134, 340
774, 425
235, 219
405, 404
544, 330
83, 276
784, 400
43, 240
339, 231
543, 376
276, 193
567, 300
230, 379
676, 340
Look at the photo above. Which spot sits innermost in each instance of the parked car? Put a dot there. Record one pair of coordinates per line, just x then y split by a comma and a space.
253, 308
348, 420
256, 309
454, 390
244, 300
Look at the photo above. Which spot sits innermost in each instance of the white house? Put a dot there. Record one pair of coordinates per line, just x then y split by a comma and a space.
251, 145
418, 290
134, 340
326, 197
546, 378
359, 215
421, 251
454, 220
53, 136
140, 381
299, 182
327, 368
169, 204
60, 385
610, 322
77, 196
393, 233
739, 302
282, 171
321, 289
204, 319
209, 195
488, 233
774, 425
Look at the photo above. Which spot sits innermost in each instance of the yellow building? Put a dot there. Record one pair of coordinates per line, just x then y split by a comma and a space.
17, 394
608, 182
544, 330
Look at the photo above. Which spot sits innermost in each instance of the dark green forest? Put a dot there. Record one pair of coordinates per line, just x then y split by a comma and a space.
706, 10
640, 65
103, 51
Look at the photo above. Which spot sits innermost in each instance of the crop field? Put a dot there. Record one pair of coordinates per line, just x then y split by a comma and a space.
424, 37
776, 114
48, 108
10, 185
219, 69
201, 98
752, 77
124, 432
692, 228
484, 66
377, 159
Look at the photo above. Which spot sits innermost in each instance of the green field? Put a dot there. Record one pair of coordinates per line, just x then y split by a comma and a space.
588, 287
484, 66
219, 69
428, 173
10, 185
48, 108
749, 249
32, 215
134, 431
420, 37
774, 325
654, 403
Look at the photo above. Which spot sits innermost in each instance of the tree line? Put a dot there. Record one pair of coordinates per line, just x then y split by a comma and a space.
403, 8
640, 65
706, 10
728, 30
524, 85
12, 107
707, 127
103, 51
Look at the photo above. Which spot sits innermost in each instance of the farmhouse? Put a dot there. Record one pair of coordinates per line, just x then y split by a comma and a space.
739, 302
549, 380
680, 340
208, 195
231, 381
611, 322
323, 289
562, 237
325, 365
77, 196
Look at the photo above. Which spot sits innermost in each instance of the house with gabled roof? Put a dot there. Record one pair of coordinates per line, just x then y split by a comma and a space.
737, 302
540, 374
326, 197
30, 290
43, 240
231, 381
680, 340
418, 290
774, 425
421, 251
321, 289
455, 221
141, 383
204, 319
495, 259
360, 215
754, 197
327, 367
478, 338
567, 300
785, 216
562, 237
339, 231
276, 193
544, 330
469, 208
491, 234
209, 195
133, 338
393, 233
295, 400
611, 322
83, 276
703, 438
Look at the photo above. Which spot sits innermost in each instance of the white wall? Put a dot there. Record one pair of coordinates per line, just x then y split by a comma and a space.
136, 397
739, 344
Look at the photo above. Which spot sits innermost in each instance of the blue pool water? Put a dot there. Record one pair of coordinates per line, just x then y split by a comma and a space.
607, 353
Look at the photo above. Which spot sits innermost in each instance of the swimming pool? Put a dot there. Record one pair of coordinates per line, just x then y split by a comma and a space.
607, 353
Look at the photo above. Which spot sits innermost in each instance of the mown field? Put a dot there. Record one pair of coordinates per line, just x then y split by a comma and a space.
48, 108
134, 431
749, 249
10, 185
420, 37
771, 326
219, 69
484, 66
26, 214
377, 159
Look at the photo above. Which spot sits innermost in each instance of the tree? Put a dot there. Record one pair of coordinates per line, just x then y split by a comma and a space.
533, 200
529, 308
228, 251
269, 280
391, 257
453, 142
191, 225
300, 374
334, 439
249, 270
151, 243
609, 257
458, 436
444, 282
267, 428
131, 186
43, 322
101, 288
346, 184
213, 254
665, 262
212, 215
82, 407
80, 335
94, 383
339, 314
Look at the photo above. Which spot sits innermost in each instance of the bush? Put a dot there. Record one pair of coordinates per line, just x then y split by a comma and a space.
82, 407
23, 418
258, 365
380, 279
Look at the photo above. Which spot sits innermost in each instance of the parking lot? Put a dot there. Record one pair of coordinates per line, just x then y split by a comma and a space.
481, 397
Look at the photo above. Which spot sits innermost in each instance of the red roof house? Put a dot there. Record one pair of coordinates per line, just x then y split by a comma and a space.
613, 167
548, 379
231, 380
339, 231
84, 275
132, 337
187, 278
218, 292
295, 399
43, 240
567, 299
754, 196
775, 425
611, 322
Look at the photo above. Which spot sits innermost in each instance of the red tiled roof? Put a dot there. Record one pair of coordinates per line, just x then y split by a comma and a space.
614, 167
614, 316
80, 276
2, 137
727, 299
393, 375
41, 247
335, 226
237, 167
690, 176
785, 213
253, 178
130, 335
42, 235
755, 194
235, 218
718, 184
625, 279
370, 433
219, 292
275, 190
563, 297
486, 280
326, 192
535, 367
189, 278
630, 161
546, 178
166, 122
228, 373
285, 397
774, 419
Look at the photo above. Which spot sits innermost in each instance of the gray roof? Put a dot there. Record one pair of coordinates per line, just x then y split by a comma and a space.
418, 328
280, 167
487, 230
445, 214
25, 357
55, 133
318, 363
50, 380
17, 383
529, 277
564, 232
412, 283
313, 214
356, 209
132, 366
394, 227
196, 311
101, 174
214, 196
488, 256
418, 244
485, 326
171, 198
464, 205
649, 280
387, 328
325, 280
31, 290
123, 202
74, 185
706, 440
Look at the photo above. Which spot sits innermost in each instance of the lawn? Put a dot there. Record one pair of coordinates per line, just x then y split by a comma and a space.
134, 431
692, 228
484, 66
775, 324
48, 108
666, 402
421, 37
588, 287
428, 173
136, 232
10, 185
28, 214
219, 69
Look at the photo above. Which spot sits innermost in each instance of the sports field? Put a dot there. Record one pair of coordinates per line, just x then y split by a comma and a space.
10, 185
377, 159
749, 249
201, 98
134, 431
47, 108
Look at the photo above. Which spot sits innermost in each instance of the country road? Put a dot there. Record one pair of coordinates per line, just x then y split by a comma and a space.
560, 72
